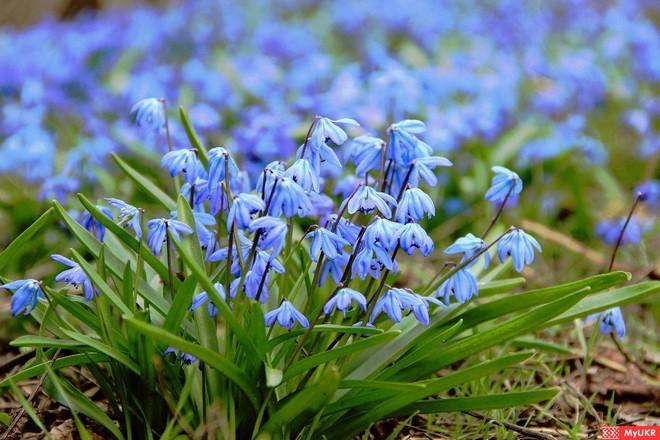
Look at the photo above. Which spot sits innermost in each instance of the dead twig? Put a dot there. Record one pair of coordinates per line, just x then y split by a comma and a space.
512, 427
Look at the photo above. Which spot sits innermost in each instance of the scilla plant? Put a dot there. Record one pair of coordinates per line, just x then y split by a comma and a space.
254, 307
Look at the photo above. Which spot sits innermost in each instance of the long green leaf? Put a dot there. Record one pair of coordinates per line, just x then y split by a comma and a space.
193, 137
481, 403
157, 194
343, 351
45, 342
180, 306
21, 242
63, 362
381, 385
323, 328
500, 286
105, 349
29, 409
211, 358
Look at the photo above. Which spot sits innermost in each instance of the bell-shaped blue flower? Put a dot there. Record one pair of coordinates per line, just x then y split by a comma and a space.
382, 233
417, 304
243, 208
469, 246
367, 153
203, 298
345, 228
74, 276
219, 161
150, 113
504, 182
289, 199
327, 129
158, 232
462, 285
366, 199
413, 236
404, 146
182, 162
335, 268
423, 169
304, 175
520, 246
273, 233
129, 215
611, 321
26, 294
343, 301
609, 231
414, 204
327, 241
286, 315
94, 226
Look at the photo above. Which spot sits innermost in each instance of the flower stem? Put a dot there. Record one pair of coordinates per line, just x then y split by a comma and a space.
498, 213
170, 269
638, 198
163, 101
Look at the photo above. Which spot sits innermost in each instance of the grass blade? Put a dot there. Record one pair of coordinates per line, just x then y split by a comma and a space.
157, 194
22, 241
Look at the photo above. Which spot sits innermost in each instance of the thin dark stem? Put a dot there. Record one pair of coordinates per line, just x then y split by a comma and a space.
383, 183
638, 198
344, 206
230, 256
262, 281
170, 270
510, 426
192, 196
309, 132
405, 182
498, 213
383, 159
371, 300
167, 125
643, 368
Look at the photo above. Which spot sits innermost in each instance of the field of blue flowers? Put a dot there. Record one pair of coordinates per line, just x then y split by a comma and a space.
289, 219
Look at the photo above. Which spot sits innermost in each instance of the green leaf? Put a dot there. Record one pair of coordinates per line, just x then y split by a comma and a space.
62, 362
303, 405
22, 242
346, 350
5, 419
29, 409
500, 286
126, 238
607, 300
481, 403
45, 342
210, 358
105, 349
390, 404
478, 342
540, 345
100, 284
181, 304
223, 309
322, 328
381, 385
194, 139
157, 194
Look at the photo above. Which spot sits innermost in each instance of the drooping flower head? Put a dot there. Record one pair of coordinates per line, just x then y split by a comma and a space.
273, 233
26, 294
462, 285
286, 315
520, 246
289, 199
366, 199
611, 321
94, 226
219, 162
203, 298
150, 113
158, 232
343, 301
505, 182
609, 231
469, 246
75, 276
304, 175
243, 208
129, 215
414, 205
182, 161
327, 241
413, 236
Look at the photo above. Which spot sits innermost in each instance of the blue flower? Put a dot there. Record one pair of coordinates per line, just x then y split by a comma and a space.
610, 321
182, 161
345, 228
343, 300
273, 233
650, 192
88, 222
219, 161
149, 112
203, 298
158, 232
520, 246
504, 182
382, 233
222, 254
286, 316
184, 357
462, 284
304, 175
289, 199
251, 285
243, 208
413, 236
327, 241
609, 231
371, 260
414, 204
334, 268
199, 190
325, 128
366, 199
202, 220
75, 276
469, 246
129, 215
417, 304
423, 169
390, 304
367, 154
403, 145
26, 294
